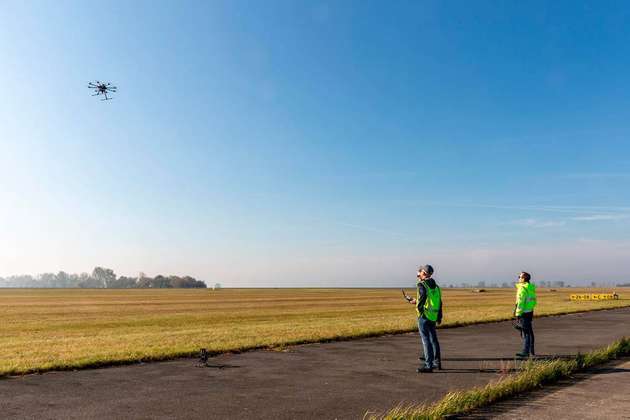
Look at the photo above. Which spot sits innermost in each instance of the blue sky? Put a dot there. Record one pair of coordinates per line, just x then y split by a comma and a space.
286, 143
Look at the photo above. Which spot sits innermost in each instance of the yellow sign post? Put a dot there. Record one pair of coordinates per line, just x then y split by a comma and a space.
594, 296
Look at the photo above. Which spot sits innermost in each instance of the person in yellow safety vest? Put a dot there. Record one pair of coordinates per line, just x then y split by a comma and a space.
428, 304
524, 311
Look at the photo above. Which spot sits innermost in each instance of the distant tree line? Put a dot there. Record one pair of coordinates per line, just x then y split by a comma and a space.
101, 278
482, 284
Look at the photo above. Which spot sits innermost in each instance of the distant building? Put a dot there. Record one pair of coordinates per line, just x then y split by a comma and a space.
217, 286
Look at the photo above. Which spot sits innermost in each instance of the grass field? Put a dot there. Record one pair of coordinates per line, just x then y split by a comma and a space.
46, 329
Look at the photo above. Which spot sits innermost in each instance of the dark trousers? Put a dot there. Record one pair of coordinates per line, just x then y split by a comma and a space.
528, 332
430, 343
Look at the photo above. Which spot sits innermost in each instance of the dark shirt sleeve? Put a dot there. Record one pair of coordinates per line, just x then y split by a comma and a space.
439, 319
423, 298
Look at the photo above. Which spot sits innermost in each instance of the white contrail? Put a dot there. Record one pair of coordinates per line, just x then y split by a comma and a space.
556, 209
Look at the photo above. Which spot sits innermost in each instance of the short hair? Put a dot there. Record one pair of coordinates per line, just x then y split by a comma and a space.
427, 269
526, 276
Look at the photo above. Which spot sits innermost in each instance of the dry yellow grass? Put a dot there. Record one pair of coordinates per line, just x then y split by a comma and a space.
72, 328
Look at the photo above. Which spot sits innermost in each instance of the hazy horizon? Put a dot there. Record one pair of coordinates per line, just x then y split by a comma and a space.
290, 144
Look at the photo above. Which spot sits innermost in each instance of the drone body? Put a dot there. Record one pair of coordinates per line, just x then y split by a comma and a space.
101, 88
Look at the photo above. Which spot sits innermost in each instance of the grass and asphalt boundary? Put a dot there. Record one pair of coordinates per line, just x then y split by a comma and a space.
96, 363
533, 374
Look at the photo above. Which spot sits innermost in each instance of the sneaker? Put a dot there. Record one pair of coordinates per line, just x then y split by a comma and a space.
424, 369
522, 354
437, 365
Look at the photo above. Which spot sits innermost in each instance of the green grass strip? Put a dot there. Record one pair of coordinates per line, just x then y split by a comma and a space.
533, 375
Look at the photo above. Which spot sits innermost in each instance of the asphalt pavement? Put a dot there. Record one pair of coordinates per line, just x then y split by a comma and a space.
602, 392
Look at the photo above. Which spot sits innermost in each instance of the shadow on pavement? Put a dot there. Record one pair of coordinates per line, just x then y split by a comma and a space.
217, 366
499, 359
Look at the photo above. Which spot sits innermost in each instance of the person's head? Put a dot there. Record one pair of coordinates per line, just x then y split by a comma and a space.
524, 277
425, 272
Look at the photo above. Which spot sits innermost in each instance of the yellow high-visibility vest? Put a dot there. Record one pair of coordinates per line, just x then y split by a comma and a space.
432, 304
525, 298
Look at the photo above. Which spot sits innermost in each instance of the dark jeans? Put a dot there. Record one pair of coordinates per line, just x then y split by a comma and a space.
528, 332
430, 343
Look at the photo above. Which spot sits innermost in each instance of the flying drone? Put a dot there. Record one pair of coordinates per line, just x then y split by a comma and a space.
101, 88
